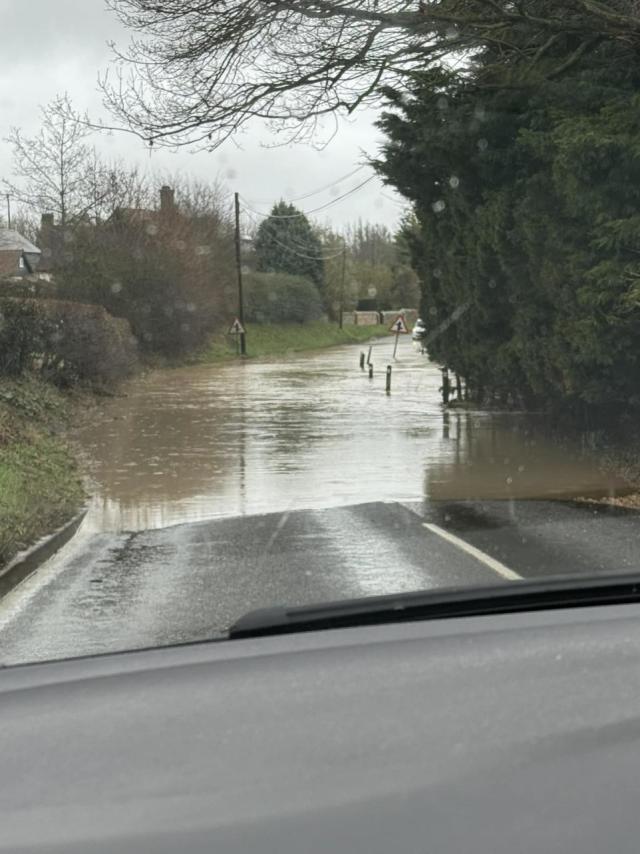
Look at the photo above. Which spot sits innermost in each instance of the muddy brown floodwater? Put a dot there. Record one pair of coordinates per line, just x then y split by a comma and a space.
310, 431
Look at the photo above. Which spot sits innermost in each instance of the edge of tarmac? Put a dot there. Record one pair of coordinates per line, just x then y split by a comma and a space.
27, 562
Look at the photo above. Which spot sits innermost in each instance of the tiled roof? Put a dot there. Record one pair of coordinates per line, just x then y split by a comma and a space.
10, 239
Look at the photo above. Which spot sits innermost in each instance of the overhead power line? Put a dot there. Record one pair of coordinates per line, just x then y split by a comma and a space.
300, 254
401, 204
314, 210
307, 257
322, 189
331, 185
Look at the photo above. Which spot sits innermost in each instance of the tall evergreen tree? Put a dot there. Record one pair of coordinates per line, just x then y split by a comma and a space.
526, 189
287, 243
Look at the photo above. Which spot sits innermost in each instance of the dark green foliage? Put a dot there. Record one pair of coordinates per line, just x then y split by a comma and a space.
68, 343
279, 298
287, 243
21, 334
526, 201
404, 291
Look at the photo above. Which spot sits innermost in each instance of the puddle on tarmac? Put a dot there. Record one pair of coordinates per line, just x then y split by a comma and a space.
312, 431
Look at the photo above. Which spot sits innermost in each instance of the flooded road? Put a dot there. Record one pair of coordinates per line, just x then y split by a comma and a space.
222, 489
311, 431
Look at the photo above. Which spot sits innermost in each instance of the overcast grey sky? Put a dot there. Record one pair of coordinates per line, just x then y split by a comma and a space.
54, 46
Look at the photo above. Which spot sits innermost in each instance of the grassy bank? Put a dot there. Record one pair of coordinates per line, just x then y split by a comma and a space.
40, 486
280, 339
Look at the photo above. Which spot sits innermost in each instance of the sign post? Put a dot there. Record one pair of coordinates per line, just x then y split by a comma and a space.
242, 338
400, 328
238, 330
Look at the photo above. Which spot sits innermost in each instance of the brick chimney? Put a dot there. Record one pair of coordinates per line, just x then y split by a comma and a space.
167, 200
48, 241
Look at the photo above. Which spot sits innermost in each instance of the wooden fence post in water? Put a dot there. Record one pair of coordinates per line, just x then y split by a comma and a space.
362, 361
446, 386
388, 379
458, 387
369, 355
370, 370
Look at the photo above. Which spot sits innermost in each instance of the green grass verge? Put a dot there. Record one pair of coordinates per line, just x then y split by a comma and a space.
280, 339
40, 485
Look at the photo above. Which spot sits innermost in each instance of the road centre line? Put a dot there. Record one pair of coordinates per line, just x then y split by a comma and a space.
486, 559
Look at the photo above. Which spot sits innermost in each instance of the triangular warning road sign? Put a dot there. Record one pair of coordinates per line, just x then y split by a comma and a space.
399, 326
236, 328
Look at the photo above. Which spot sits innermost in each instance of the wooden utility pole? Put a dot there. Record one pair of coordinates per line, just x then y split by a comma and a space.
243, 341
8, 210
344, 273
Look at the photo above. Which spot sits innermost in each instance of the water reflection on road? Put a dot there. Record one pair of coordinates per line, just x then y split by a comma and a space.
310, 431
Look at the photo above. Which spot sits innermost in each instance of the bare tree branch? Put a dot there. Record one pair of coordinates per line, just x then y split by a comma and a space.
196, 71
57, 171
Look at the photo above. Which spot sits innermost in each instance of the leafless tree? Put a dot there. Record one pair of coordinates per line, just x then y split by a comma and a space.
112, 185
200, 198
198, 70
51, 169
58, 171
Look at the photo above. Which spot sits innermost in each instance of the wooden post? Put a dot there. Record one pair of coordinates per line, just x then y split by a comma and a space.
369, 355
388, 379
370, 371
458, 387
362, 361
344, 271
395, 346
243, 343
446, 386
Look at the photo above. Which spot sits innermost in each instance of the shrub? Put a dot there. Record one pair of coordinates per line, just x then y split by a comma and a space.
29, 287
164, 316
21, 334
168, 277
280, 298
67, 342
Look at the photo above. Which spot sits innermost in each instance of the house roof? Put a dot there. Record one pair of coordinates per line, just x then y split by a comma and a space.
13, 240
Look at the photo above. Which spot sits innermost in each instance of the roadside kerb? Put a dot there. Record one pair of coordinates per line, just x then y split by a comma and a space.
26, 562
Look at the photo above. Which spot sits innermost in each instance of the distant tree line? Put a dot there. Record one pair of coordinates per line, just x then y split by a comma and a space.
365, 264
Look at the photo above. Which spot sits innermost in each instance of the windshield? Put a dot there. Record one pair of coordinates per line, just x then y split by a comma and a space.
310, 302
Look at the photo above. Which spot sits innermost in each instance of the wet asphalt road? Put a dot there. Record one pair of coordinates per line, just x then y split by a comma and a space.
187, 582
108, 592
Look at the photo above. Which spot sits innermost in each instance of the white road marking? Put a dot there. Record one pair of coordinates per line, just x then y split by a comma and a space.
486, 559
